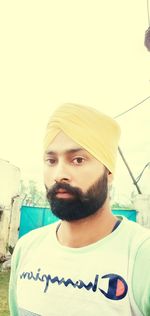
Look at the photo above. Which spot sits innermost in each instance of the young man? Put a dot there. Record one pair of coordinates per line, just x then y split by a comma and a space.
90, 263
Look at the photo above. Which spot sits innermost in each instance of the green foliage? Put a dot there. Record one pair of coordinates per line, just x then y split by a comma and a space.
31, 195
4, 281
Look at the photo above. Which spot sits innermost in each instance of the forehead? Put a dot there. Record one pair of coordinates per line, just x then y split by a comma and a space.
63, 143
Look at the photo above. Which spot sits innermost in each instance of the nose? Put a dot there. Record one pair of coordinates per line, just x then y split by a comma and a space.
62, 173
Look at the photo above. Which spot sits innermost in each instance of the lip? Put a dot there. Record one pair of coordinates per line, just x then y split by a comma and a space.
63, 194
61, 191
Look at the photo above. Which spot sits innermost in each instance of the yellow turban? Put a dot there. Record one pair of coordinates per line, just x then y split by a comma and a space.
94, 131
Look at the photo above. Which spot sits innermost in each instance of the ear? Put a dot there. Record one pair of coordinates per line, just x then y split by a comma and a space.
110, 177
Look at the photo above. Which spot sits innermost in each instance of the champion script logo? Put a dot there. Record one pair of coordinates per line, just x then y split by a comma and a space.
117, 286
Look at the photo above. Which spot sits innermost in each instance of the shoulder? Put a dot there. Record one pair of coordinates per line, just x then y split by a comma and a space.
140, 269
32, 240
139, 263
141, 277
142, 242
37, 234
137, 233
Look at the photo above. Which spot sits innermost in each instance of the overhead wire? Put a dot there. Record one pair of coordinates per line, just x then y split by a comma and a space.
140, 175
133, 107
147, 44
135, 181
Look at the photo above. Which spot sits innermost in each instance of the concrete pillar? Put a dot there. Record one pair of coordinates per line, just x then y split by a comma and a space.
142, 205
14, 222
4, 223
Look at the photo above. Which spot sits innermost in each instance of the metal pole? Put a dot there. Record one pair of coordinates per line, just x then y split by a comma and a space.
129, 170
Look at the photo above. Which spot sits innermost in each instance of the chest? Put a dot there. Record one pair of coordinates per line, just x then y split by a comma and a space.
52, 282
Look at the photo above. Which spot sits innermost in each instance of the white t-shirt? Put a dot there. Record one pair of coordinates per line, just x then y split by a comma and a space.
49, 279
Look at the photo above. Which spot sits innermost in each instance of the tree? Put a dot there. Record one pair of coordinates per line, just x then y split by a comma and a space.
31, 195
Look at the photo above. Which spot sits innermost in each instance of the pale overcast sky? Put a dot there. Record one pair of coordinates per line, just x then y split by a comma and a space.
85, 51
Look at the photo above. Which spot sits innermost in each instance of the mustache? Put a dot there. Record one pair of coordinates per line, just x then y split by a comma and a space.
51, 193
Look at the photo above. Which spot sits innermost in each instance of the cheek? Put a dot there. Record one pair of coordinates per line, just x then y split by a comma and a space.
89, 177
47, 175
86, 178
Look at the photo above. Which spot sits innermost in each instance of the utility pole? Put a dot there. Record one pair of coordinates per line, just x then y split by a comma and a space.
129, 170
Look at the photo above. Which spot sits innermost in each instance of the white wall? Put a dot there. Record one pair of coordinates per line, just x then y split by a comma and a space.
9, 182
9, 188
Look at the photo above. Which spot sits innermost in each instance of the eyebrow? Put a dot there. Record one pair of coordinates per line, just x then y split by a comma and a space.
69, 151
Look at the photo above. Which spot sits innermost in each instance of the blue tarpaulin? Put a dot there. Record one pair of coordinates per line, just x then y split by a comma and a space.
35, 217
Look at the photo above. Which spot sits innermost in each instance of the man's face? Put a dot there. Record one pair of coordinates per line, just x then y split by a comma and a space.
75, 181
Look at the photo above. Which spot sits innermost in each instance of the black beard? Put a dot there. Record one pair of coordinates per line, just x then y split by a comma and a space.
81, 205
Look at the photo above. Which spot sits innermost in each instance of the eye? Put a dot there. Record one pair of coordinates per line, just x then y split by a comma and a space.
78, 160
51, 161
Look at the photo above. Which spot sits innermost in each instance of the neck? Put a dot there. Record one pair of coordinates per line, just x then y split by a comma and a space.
86, 231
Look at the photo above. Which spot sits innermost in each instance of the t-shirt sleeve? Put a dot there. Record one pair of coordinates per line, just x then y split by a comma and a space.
13, 277
141, 278
12, 285
22, 246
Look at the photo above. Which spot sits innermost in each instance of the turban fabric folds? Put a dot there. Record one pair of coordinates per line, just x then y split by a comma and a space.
94, 131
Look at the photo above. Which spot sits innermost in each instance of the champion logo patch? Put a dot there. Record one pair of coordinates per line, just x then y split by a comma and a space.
117, 287
112, 286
